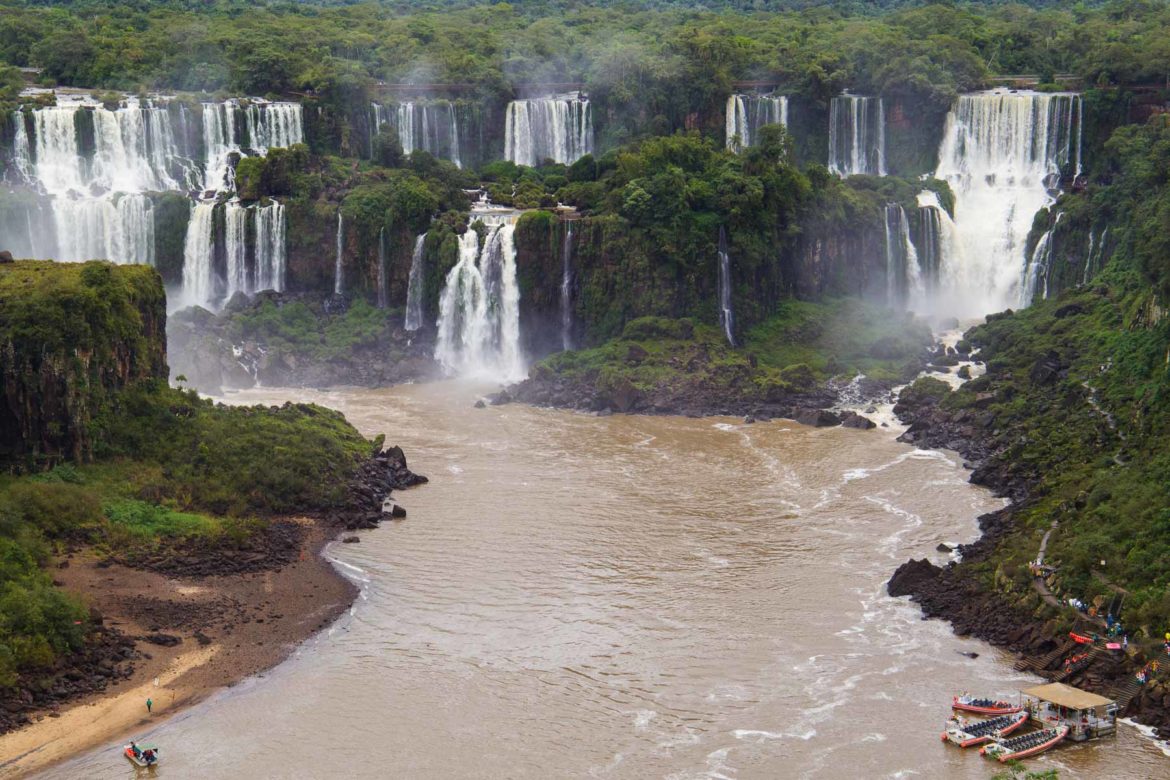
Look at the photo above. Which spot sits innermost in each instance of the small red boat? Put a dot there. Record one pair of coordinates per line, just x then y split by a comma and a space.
984, 706
1024, 745
968, 734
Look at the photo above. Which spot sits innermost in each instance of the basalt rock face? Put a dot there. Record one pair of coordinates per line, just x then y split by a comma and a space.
215, 352
71, 336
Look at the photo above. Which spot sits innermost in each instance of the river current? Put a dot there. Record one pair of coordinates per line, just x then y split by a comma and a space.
624, 597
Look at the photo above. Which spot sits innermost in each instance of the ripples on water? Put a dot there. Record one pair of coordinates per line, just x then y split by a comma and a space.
575, 596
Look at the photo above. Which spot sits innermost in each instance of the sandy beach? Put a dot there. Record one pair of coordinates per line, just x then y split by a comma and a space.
231, 627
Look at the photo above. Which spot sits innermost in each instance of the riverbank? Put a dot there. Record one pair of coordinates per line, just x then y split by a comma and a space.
1034, 430
192, 636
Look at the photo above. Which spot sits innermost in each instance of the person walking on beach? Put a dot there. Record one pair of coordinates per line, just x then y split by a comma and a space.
149, 704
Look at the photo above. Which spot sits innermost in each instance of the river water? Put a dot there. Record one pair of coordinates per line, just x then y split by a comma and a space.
624, 597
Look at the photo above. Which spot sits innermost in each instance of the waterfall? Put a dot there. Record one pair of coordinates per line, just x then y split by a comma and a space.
857, 136
92, 168
1100, 254
1003, 154
726, 317
235, 243
746, 114
414, 290
219, 140
382, 268
21, 152
431, 127
271, 252
479, 308
274, 126
559, 128
936, 243
903, 274
198, 251
567, 288
338, 270
1039, 265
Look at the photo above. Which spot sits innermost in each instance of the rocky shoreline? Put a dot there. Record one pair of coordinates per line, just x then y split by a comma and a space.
954, 592
147, 611
818, 407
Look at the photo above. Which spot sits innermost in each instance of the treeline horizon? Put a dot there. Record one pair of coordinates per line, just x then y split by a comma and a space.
685, 52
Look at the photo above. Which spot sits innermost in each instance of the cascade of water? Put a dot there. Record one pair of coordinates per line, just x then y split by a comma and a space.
21, 152
338, 269
567, 288
382, 302
405, 116
746, 114
1039, 265
1100, 254
479, 307
271, 254
378, 119
235, 244
60, 166
134, 149
454, 137
1003, 154
857, 136
198, 251
429, 127
726, 316
219, 141
136, 218
414, 289
559, 128
274, 126
903, 276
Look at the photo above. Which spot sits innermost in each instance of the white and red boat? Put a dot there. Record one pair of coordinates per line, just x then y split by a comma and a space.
1024, 745
984, 706
978, 732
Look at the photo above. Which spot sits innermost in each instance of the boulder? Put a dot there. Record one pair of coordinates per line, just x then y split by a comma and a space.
818, 418
911, 576
855, 420
6, 257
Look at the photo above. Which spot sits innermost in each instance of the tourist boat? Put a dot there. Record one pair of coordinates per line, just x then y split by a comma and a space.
1024, 745
968, 734
140, 760
984, 706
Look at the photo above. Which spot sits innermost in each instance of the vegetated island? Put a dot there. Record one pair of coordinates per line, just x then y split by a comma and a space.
147, 533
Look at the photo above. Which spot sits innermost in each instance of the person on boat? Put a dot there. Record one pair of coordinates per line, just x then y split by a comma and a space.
134, 749
148, 756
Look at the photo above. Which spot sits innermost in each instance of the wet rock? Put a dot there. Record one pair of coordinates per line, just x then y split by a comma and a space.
163, 640
855, 420
397, 512
818, 418
911, 576
964, 372
480, 404
943, 548
350, 540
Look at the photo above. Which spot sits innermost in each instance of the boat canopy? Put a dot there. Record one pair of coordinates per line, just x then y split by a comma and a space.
1067, 696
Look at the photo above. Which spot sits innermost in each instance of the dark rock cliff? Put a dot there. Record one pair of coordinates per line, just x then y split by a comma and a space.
70, 335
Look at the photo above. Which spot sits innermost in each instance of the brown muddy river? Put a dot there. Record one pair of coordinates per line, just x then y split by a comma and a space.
624, 597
